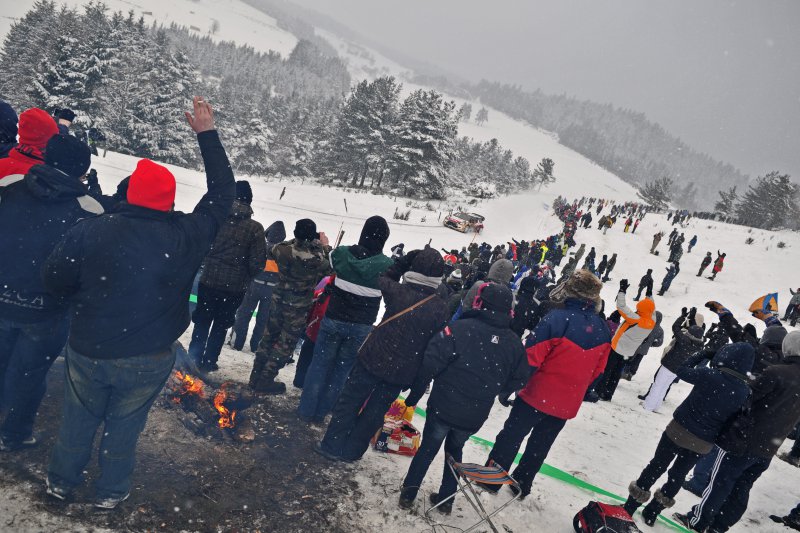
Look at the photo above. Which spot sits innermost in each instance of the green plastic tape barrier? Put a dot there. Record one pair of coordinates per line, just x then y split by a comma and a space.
566, 477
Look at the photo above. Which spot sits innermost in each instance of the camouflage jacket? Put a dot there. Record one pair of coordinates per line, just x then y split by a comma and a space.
301, 264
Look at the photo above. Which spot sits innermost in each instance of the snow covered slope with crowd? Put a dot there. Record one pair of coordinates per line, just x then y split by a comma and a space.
609, 443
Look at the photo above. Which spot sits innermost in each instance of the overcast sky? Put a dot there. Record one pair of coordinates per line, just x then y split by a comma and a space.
722, 75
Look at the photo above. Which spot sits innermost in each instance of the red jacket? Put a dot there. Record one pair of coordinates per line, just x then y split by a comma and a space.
570, 349
317, 312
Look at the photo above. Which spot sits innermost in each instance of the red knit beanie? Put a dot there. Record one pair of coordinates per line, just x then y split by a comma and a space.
151, 186
36, 127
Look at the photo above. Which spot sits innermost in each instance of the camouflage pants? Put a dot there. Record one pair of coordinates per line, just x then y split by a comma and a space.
287, 321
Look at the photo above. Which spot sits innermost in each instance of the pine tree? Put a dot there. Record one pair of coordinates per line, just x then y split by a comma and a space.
543, 173
482, 117
465, 112
727, 201
657, 193
770, 203
425, 143
56, 73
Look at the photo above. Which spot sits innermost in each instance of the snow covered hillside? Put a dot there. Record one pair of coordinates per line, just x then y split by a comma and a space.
608, 444
234, 20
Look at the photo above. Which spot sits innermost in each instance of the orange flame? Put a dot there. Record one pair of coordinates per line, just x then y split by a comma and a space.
189, 384
226, 416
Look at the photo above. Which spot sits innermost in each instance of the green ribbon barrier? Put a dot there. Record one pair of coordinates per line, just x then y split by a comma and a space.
565, 477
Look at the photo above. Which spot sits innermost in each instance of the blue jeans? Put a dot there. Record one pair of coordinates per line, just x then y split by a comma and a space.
259, 295
117, 393
725, 499
334, 355
436, 431
27, 351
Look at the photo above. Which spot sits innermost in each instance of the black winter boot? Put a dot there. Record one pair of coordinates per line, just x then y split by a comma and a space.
654, 508
638, 497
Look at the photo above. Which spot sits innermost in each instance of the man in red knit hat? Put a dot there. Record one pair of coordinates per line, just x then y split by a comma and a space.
36, 127
127, 277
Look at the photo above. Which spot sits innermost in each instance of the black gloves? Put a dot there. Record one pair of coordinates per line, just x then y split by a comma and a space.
91, 177
623, 285
684, 311
692, 313
505, 399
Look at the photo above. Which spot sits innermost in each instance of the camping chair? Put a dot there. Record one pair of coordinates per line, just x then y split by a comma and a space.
466, 475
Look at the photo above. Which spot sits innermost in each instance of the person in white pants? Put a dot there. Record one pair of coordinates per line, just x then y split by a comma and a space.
688, 338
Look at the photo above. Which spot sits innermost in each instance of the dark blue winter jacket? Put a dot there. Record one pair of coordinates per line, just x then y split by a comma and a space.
8, 128
128, 274
719, 391
35, 212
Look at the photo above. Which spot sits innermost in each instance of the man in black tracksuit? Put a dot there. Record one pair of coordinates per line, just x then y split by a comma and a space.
236, 257
750, 443
471, 362
127, 277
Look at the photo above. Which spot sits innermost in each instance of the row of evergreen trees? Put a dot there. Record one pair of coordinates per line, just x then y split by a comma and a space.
294, 116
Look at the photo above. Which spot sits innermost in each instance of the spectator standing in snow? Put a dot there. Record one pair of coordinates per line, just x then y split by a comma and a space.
692, 244
653, 340
704, 264
8, 128
793, 302
259, 294
567, 351
718, 393
236, 258
719, 262
35, 212
656, 239
611, 264
687, 331
645, 285
391, 356
472, 361
672, 270
750, 442
121, 341
353, 308
630, 335
635, 225
36, 127
301, 263
601, 268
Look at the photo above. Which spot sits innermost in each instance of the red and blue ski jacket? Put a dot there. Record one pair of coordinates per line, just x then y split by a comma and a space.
569, 350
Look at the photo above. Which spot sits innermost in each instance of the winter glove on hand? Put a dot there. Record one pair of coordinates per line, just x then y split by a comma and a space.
623, 285
692, 314
684, 311
718, 308
91, 178
505, 399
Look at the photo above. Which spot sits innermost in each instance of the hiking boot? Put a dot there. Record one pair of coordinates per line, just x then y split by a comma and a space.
56, 492
788, 521
520, 492
445, 508
325, 453
111, 502
627, 376
269, 387
591, 397
683, 519
407, 497
7, 445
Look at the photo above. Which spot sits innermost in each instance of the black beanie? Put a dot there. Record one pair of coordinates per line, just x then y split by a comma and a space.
305, 230
243, 192
496, 297
66, 114
428, 262
374, 234
68, 154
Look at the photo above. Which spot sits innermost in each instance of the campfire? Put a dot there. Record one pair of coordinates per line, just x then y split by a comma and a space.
216, 410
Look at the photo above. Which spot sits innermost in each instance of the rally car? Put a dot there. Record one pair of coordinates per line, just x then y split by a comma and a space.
464, 222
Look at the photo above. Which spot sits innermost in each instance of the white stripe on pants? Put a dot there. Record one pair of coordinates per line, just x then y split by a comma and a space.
697, 510
658, 390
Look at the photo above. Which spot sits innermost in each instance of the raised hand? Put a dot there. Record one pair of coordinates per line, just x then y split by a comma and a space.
203, 118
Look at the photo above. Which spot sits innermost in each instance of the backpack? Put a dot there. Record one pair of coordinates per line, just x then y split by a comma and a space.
604, 518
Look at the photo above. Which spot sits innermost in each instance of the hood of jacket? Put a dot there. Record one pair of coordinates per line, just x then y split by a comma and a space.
51, 185
275, 233
645, 309
241, 210
738, 356
501, 271
493, 318
363, 271
791, 344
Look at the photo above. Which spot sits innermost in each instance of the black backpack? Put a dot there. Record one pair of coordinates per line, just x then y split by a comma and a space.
604, 518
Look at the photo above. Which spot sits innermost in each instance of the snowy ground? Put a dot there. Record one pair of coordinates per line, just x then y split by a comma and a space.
608, 444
